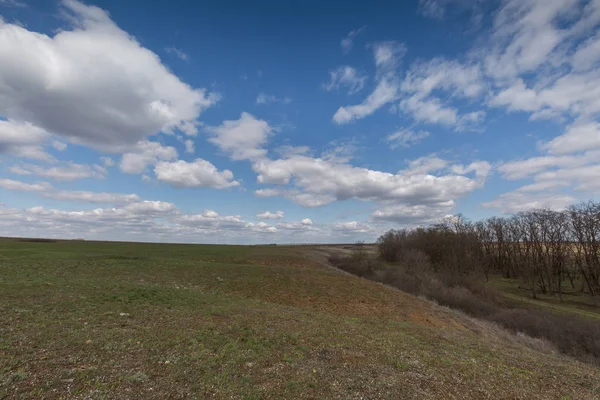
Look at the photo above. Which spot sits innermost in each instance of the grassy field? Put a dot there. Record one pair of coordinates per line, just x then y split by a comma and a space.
85, 320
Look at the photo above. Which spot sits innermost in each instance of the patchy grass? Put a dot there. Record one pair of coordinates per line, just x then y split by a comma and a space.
573, 302
147, 321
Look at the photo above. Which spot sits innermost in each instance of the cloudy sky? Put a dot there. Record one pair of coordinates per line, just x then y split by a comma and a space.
261, 122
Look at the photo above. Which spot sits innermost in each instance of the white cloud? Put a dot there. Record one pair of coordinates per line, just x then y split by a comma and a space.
107, 161
243, 138
438, 9
385, 92
348, 42
10, 184
200, 173
142, 220
525, 35
433, 8
68, 172
58, 145
23, 139
517, 201
347, 228
267, 192
405, 138
519, 169
12, 3
44, 189
425, 165
45, 81
580, 136
460, 80
426, 81
587, 54
182, 55
410, 214
305, 225
316, 182
264, 98
270, 215
146, 153
189, 146
345, 77
387, 56
260, 227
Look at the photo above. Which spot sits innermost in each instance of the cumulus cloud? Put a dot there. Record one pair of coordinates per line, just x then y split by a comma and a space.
200, 173
347, 77
146, 153
133, 95
242, 139
270, 215
23, 139
318, 182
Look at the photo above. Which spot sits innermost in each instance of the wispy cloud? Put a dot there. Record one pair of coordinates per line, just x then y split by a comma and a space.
347, 77
264, 98
348, 42
405, 138
178, 53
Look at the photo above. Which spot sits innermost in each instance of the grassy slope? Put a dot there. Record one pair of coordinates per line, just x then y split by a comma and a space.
141, 321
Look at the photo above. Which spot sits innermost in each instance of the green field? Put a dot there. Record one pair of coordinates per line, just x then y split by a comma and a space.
86, 320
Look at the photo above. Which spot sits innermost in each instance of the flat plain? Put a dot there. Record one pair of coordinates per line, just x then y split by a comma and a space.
99, 320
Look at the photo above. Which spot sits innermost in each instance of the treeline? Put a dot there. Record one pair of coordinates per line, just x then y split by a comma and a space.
548, 250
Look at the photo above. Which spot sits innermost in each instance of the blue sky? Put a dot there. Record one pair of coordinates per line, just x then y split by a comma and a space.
237, 122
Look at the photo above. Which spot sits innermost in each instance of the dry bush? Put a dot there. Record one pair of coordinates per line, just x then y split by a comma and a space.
365, 267
572, 335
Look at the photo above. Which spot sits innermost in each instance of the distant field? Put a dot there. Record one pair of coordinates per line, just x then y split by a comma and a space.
94, 320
